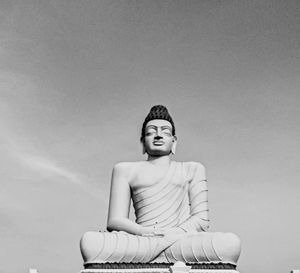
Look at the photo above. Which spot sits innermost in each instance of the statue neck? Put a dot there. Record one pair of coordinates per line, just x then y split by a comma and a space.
161, 160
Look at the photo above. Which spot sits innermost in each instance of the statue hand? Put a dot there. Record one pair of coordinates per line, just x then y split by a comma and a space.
151, 231
173, 234
173, 230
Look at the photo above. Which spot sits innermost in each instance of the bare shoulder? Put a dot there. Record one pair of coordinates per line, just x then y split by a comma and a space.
126, 169
125, 166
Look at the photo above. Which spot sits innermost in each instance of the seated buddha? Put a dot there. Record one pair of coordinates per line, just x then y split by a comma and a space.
171, 208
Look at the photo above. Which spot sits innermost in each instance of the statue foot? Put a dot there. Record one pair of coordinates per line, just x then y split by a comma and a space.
89, 245
227, 246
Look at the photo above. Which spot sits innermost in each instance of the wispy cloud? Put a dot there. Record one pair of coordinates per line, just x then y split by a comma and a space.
20, 147
46, 167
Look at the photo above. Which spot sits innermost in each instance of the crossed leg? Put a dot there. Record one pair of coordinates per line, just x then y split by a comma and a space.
100, 247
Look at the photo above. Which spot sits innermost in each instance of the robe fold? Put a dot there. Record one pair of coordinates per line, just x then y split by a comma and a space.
179, 199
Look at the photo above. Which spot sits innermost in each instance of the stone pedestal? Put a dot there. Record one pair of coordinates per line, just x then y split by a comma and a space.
178, 267
155, 270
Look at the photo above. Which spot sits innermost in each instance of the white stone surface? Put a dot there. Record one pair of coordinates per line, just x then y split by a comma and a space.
159, 270
171, 208
180, 267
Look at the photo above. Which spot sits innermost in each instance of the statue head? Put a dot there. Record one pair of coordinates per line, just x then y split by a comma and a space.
158, 132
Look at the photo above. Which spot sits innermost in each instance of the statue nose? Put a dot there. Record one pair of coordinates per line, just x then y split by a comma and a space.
158, 133
158, 136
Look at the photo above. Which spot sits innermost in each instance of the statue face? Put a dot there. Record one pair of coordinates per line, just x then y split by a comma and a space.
158, 139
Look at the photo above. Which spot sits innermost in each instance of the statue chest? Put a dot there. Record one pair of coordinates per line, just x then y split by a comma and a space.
145, 181
150, 177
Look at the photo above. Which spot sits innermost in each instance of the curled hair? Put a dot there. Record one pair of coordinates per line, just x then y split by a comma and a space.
157, 112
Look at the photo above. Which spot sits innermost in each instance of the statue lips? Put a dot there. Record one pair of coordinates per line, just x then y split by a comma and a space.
158, 143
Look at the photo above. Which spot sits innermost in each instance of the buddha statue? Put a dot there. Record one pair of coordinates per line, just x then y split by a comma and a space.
171, 208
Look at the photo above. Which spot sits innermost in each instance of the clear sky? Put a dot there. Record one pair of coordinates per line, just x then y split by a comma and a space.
77, 78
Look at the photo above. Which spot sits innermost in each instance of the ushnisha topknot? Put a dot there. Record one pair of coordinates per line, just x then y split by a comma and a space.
157, 112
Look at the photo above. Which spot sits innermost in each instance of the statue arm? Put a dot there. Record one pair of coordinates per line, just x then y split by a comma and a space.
199, 220
119, 203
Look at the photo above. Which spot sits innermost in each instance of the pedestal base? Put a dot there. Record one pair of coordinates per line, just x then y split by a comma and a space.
155, 270
178, 267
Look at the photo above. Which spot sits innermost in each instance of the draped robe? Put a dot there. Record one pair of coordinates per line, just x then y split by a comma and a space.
179, 199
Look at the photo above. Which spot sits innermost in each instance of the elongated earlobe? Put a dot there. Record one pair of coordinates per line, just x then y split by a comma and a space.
144, 149
173, 150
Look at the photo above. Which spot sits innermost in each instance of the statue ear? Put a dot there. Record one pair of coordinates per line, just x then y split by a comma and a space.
144, 149
173, 150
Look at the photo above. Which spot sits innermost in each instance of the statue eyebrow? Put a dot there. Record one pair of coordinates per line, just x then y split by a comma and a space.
166, 127
162, 127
